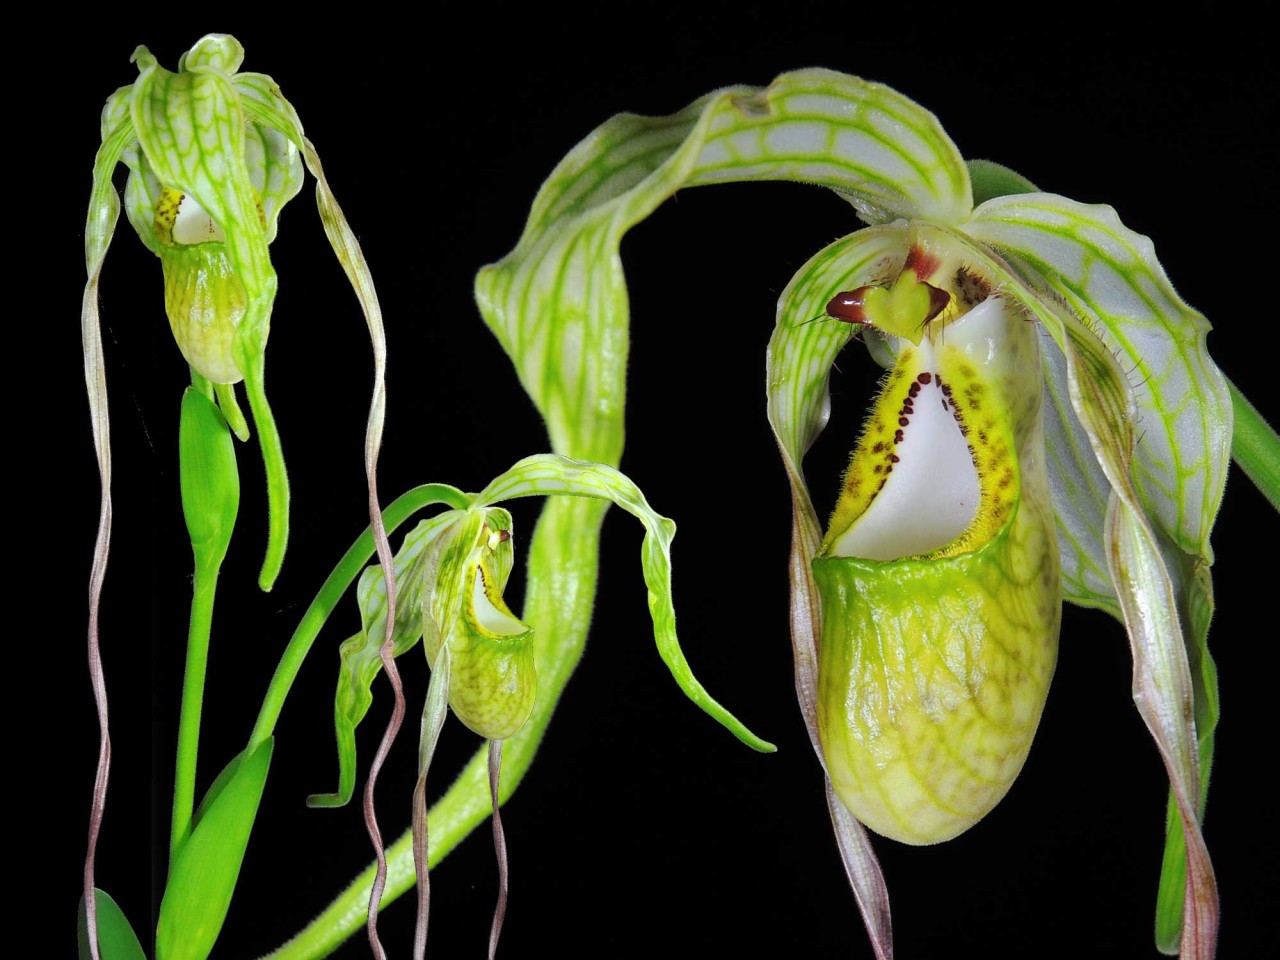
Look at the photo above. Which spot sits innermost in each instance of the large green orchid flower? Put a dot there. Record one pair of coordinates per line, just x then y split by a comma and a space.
1071, 300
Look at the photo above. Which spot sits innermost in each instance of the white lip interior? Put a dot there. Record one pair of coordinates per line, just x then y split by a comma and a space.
490, 617
194, 225
932, 495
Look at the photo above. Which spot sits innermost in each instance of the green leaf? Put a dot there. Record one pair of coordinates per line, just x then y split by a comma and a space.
545, 475
203, 874
116, 939
1255, 447
558, 302
991, 180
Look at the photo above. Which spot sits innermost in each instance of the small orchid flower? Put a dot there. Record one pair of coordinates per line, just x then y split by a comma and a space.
214, 155
451, 571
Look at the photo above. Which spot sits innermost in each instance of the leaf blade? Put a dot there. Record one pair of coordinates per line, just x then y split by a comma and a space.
204, 871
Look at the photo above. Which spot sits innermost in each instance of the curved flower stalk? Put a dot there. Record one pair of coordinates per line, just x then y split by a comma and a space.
486, 664
213, 155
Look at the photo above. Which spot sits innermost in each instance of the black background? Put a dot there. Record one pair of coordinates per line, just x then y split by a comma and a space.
642, 828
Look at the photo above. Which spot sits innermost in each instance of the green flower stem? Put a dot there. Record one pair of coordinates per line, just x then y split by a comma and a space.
204, 590
563, 568
1255, 446
347, 569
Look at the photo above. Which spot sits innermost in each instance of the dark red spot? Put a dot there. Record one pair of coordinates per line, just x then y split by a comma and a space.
915, 389
924, 264
878, 468
897, 437
903, 421
925, 377
894, 457
888, 469
879, 447
846, 305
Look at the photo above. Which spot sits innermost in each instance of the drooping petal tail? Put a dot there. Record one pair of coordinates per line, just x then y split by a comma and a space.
551, 475
798, 366
1197, 588
1105, 300
434, 711
100, 224
499, 847
1255, 446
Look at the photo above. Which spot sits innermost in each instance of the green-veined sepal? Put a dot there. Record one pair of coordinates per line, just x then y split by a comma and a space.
550, 475
558, 301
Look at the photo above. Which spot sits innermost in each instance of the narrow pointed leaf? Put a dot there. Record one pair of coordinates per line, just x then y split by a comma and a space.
547, 475
116, 939
557, 302
1255, 447
202, 877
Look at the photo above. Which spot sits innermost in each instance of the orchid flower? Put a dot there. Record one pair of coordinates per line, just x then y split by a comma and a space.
1091, 472
213, 156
